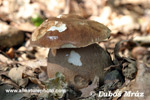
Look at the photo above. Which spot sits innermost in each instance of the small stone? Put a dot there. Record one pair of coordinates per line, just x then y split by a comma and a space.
11, 37
113, 79
129, 70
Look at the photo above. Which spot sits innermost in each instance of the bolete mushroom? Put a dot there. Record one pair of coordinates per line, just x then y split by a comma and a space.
78, 56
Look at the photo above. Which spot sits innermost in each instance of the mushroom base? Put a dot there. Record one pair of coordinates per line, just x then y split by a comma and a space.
93, 59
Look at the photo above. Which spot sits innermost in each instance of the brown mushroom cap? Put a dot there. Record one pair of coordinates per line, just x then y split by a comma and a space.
69, 31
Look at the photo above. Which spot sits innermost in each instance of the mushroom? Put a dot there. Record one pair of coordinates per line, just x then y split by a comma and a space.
78, 56
68, 31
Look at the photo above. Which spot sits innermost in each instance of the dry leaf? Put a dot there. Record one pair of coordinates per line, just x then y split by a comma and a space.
37, 81
6, 80
16, 75
140, 85
86, 91
10, 53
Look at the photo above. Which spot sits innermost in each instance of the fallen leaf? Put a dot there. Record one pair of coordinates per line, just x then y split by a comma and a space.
16, 75
10, 53
86, 91
140, 85
37, 81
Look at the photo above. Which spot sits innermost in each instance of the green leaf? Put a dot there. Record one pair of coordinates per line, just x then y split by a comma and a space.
37, 20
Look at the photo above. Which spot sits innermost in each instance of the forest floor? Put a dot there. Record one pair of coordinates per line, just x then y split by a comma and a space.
23, 66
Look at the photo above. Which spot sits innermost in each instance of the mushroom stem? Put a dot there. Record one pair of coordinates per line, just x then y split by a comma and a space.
54, 51
79, 65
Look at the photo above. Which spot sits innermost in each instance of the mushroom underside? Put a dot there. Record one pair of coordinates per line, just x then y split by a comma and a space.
79, 65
